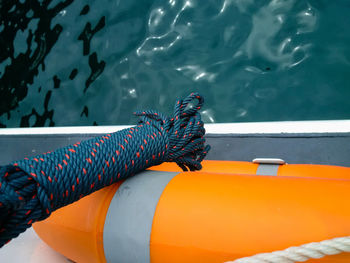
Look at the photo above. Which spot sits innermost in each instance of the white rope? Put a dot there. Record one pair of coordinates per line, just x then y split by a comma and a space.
301, 253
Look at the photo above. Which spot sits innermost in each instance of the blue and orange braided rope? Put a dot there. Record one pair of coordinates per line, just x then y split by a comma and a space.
31, 189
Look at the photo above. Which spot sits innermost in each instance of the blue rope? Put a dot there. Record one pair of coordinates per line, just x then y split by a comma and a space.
31, 189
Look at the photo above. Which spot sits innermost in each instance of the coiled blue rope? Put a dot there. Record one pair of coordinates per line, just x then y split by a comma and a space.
31, 189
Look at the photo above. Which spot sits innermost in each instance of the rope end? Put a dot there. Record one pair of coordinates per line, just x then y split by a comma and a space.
184, 130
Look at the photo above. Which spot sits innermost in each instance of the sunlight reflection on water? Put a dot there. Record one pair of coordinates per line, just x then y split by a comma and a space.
94, 63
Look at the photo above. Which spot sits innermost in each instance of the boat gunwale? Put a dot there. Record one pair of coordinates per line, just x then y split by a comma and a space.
327, 127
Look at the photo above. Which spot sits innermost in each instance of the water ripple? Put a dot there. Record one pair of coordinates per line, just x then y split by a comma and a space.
252, 60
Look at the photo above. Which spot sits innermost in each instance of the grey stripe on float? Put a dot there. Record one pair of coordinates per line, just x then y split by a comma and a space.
267, 169
128, 225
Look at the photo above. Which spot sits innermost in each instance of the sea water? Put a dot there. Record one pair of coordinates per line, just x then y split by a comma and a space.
95, 62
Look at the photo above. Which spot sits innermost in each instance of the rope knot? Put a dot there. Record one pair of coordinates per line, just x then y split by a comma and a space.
184, 130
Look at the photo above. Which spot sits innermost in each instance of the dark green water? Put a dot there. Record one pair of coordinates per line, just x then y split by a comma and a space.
94, 62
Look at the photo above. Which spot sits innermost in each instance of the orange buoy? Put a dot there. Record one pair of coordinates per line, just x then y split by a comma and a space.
221, 213
283, 169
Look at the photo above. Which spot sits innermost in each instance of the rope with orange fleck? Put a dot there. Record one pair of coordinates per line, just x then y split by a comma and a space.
31, 189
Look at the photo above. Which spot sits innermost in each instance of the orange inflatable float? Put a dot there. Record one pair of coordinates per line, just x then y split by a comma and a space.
226, 211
